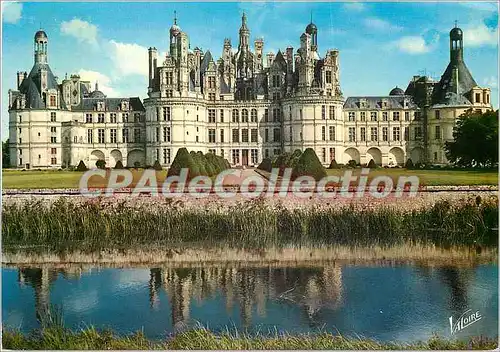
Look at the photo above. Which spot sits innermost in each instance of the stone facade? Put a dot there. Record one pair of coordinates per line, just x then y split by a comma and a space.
243, 106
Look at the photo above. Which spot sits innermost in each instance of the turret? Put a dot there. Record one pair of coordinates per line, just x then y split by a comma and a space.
244, 34
41, 41
456, 45
152, 64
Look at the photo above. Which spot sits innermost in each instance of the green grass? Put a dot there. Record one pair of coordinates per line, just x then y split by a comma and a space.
52, 179
59, 338
432, 177
92, 226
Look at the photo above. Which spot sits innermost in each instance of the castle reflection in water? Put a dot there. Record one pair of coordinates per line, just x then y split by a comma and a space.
249, 288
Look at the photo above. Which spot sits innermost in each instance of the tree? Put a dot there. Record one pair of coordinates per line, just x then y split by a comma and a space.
81, 166
475, 140
157, 166
265, 165
119, 165
409, 164
5, 154
309, 165
101, 164
371, 164
334, 165
183, 159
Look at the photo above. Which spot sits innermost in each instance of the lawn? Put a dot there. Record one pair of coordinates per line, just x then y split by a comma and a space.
432, 177
16, 179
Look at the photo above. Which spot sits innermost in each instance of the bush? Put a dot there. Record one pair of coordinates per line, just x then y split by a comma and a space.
101, 164
81, 166
137, 165
157, 166
309, 165
334, 165
183, 159
352, 164
409, 164
266, 165
371, 164
119, 165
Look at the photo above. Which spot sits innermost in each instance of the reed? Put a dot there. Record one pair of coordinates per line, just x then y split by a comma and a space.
59, 338
65, 226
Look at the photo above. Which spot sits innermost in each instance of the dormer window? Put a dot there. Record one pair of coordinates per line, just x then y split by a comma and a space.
52, 101
328, 76
124, 105
362, 103
100, 106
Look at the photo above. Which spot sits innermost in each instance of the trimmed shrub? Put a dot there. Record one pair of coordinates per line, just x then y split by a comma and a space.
81, 166
265, 165
157, 166
309, 165
119, 165
352, 164
183, 159
137, 165
101, 164
334, 165
371, 164
409, 164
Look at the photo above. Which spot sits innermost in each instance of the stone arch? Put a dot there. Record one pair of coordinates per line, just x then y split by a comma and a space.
94, 156
417, 155
351, 154
114, 157
396, 157
374, 154
136, 156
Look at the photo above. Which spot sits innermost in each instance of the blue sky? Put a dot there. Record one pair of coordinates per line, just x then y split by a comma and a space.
381, 44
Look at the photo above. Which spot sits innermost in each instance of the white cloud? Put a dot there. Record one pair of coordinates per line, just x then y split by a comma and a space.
129, 58
105, 84
481, 6
480, 35
491, 82
11, 11
379, 24
83, 31
412, 45
355, 6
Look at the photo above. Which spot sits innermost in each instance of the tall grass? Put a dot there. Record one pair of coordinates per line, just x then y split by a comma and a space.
92, 226
56, 338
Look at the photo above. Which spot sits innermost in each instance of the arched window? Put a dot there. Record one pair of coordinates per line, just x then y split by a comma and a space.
244, 115
236, 115
253, 115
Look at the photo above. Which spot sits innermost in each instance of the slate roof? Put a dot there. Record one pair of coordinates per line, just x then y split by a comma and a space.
445, 92
111, 104
393, 102
31, 87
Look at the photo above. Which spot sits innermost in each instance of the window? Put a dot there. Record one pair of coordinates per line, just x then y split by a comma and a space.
112, 135
211, 96
236, 156
236, 115
112, 117
328, 76
75, 139
253, 115
323, 112
301, 114
385, 134
407, 134
332, 154
373, 116
222, 136
166, 156
385, 116
266, 153
291, 134
222, 115
137, 117
53, 139
211, 115
20, 119
352, 134
244, 115
53, 161
407, 116
438, 132
211, 82
276, 135
276, 81
276, 151
331, 130
125, 117
395, 116
266, 115
435, 156
417, 115
137, 135
418, 132
396, 133
197, 139
236, 135
323, 133
266, 135
169, 93
90, 136
362, 116
211, 136
276, 115
52, 117
211, 151
167, 113
20, 152
125, 135
478, 97
100, 135
52, 100
53, 129
166, 134
244, 135
374, 134
332, 112
88, 118
254, 155
323, 155
363, 134
157, 135
437, 114
53, 150
100, 118
290, 113
352, 116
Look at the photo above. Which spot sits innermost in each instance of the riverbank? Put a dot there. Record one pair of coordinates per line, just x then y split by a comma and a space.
92, 339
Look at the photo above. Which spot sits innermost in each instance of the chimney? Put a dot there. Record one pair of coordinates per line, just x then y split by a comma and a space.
270, 59
21, 76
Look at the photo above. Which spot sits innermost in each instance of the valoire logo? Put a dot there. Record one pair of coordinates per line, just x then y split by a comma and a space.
466, 319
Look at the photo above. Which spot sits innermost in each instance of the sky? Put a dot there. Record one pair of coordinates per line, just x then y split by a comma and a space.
382, 45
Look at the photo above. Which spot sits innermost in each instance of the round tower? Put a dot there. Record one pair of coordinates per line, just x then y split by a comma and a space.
456, 45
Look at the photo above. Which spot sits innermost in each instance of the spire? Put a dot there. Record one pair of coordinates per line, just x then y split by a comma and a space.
175, 17
244, 32
96, 86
